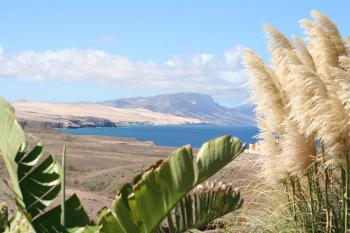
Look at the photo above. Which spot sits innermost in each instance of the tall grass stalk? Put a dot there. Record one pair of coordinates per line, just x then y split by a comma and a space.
346, 194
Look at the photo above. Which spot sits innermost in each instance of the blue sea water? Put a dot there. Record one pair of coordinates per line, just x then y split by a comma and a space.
181, 135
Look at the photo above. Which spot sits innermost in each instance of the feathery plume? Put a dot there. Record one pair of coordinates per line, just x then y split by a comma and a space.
272, 168
315, 112
297, 151
324, 53
342, 78
277, 42
267, 97
304, 54
332, 31
344, 63
271, 112
322, 47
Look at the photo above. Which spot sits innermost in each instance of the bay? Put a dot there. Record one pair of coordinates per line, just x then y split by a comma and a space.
178, 135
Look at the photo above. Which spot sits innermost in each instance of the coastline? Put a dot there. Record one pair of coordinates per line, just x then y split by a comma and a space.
103, 123
92, 123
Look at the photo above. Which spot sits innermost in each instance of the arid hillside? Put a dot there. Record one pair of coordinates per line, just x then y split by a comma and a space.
76, 115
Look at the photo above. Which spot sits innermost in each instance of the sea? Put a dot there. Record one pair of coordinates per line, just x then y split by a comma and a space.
178, 135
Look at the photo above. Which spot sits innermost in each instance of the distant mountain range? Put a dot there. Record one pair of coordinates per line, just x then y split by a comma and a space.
172, 109
191, 105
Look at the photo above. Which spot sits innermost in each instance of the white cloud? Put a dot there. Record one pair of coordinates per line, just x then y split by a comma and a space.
205, 73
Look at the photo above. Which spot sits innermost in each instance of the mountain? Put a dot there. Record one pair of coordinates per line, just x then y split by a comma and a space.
191, 105
246, 109
76, 115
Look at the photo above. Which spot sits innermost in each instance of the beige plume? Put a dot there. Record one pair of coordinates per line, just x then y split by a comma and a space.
304, 54
272, 168
324, 53
297, 152
332, 30
315, 112
342, 78
273, 123
277, 42
344, 63
321, 45
266, 94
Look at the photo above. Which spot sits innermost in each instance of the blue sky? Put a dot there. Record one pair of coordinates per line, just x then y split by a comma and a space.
98, 50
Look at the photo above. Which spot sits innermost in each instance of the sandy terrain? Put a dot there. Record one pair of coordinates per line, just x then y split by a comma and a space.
62, 112
98, 165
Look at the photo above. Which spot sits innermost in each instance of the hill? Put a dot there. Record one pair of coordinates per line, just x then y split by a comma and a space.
75, 115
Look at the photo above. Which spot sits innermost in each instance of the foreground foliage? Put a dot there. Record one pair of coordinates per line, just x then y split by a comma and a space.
303, 112
162, 191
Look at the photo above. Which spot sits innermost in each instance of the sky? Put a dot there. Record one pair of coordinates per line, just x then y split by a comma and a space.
67, 51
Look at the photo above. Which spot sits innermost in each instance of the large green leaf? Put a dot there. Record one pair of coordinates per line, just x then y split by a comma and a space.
203, 205
50, 221
35, 184
12, 141
35, 180
39, 182
215, 154
142, 205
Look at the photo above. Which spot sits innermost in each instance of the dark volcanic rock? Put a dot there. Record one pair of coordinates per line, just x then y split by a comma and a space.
70, 123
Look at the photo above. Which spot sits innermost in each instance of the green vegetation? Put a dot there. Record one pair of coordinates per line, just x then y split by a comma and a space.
170, 189
3, 216
303, 112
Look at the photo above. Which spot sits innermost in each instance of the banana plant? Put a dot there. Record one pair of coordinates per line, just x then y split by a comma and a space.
3, 216
203, 205
35, 181
141, 206
162, 191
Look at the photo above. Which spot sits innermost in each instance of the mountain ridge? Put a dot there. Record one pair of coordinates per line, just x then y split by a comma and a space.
193, 105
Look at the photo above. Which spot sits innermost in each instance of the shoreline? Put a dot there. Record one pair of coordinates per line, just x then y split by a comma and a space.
155, 125
99, 124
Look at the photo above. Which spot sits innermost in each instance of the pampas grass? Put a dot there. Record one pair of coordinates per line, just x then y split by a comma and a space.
303, 112
304, 54
345, 63
267, 96
266, 209
321, 46
332, 31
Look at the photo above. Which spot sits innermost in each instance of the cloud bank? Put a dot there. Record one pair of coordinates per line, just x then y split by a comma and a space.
218, 75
